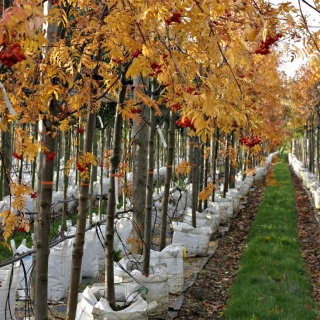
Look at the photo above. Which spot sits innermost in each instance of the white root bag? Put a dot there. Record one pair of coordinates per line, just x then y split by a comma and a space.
100, 238
89, 261
136, 311
214, 219
92, 306
24, 277
59, 270
195, 240
123, 230
100, 251
25, 268
8, 279
316, 195
234, 193
203, 219
185, 200
158, 290
172, 257
225, 209
261, 173
213, 207
156, 215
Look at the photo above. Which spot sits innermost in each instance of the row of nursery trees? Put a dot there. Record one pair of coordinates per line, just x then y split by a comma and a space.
306, 141
107, 84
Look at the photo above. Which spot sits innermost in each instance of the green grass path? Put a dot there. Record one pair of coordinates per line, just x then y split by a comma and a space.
273, 283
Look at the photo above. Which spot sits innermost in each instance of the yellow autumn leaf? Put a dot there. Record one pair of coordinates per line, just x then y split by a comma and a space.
206, 192
145, 50
290, 18
184, 168
229, 54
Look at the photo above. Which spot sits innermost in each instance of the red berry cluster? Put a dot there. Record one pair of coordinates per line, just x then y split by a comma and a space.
156, 67
64, 113
191, 90
17, 156
81, 167
135, 110
136, 53
33, 195
176, 17
175, 107
182, 123
80, 130
49, 156
117, 60
12, 54
265, 45
4, 41
250, 142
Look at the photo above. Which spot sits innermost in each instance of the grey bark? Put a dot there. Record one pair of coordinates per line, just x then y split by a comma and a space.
43, 226
65, 183
215, 149
226, 168
206, 172
139, 183
79, 240
148, 214
43, 230
195, 180
165, 200
6, 157
111, 208
232, 176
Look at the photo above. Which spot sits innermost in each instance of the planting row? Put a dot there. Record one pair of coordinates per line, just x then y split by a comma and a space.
166, 267
309, 181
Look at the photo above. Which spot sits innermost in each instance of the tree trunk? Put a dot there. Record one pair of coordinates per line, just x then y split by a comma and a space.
57, 161
43, 232
232, 176
305, 143
111, 208
318, 146
165, 199
190, 155
43, 225
195, 182
79, 240
65, 183
311, 145
6, 159
139, 183
34, 163
206, 172
149, 194
108, 144
94, 172
215, 149
201, 173
40, 161
226, 168
102, 148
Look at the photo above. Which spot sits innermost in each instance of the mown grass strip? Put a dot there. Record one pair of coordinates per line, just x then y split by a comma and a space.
273, 283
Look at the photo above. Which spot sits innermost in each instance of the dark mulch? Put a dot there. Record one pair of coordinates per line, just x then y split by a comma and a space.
208, 297
309, 234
